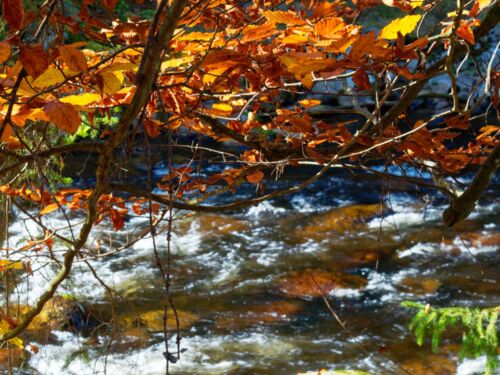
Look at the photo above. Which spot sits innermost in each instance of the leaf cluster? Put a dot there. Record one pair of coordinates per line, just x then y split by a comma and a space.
479, 329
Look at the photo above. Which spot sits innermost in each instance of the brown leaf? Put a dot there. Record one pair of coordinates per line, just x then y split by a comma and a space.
73, 58
34, 59
5, 51
360, 78
63, 115
13, 13
110, 4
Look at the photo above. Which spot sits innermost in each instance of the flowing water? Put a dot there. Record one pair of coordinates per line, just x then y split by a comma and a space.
242, 285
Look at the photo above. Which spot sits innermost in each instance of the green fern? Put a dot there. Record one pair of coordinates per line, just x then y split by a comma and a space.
479, 329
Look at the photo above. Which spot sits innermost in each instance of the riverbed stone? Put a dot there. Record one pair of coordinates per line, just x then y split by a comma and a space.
314, 283
153, 320
339, 220
434, 364
268, 313
213, 224
419, 285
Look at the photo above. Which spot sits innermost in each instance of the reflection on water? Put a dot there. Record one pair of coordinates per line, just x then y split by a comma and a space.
246, 287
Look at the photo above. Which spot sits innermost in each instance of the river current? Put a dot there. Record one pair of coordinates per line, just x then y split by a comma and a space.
241, 283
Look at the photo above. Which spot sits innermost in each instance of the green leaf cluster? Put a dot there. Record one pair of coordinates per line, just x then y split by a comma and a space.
479, 329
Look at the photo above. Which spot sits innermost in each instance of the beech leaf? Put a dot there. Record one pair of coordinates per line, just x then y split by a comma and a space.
63, 115
255, 177
5, 51
34, 59
73, 58
403, 26
13, 13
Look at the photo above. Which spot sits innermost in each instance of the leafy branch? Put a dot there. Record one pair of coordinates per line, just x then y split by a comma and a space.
479, 329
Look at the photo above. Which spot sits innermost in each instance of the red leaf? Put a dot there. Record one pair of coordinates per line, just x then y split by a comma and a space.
360, 78
34, 59
13, 12
110, 4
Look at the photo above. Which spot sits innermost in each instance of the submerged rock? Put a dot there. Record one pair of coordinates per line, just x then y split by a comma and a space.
316, 283
153, 320
60, 313
419, 285
269, 313
432, 364
339, 220
335, 372
213, 224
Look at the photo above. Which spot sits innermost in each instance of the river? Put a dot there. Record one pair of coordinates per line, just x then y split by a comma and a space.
242, 285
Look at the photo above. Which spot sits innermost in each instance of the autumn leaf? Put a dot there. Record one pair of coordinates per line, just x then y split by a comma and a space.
403, 26
49, 208
51, 76
11, 265
465, 32
280, 16
110, 4
223, 107
80, 99
13, 13
255, 177
360, 78
5, 51
34, 59
109, 82
308, 103
330, 28
63, 115
73, 58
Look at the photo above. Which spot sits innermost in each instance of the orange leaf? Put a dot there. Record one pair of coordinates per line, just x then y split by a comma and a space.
49, 208
73, 58
63, 115
13, 13
465, 32
4, 51
255, 177
34, 59
330, 28
308, 103
280, 16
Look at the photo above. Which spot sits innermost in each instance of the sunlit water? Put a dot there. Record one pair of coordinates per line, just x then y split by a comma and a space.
226, 270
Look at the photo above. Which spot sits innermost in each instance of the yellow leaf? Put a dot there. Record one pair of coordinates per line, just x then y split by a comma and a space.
9, 264
120, 67
484, 3
50, 77
80, 99
403, 25
222, 107
49, 208
111, 82
174, 63
198, 36
4, 328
